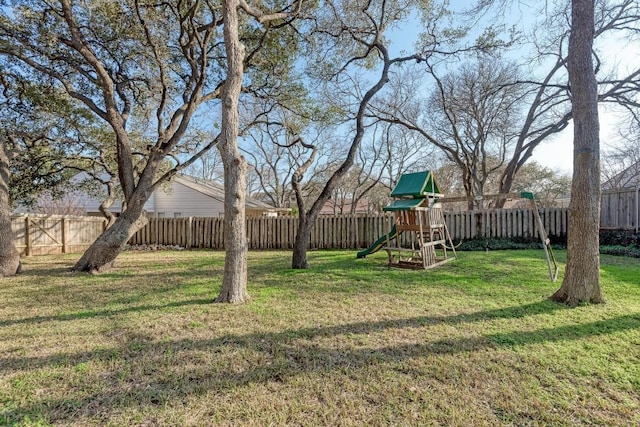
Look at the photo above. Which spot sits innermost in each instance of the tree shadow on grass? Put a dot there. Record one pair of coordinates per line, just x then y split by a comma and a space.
288, 355
125, 286
83, 314
275, 338
122, 265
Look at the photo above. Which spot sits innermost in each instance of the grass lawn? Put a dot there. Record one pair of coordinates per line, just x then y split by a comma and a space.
348, 342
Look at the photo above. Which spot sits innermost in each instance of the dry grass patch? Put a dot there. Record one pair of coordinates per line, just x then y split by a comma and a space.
348, 342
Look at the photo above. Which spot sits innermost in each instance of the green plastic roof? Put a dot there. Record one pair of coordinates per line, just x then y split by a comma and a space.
527, 195
403, 204
415, 185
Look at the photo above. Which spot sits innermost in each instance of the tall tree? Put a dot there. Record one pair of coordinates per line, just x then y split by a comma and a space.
234, 283
582, 277
353, 34
473, 118
9, 256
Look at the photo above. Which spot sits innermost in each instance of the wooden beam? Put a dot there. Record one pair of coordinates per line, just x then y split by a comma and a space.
483, 197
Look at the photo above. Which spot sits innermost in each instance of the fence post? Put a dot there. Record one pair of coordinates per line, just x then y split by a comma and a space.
637, 205
189, 232
63, 226
27, 236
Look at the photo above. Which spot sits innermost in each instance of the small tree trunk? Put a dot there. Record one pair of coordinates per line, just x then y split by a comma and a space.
9, 256
234, 281
582, 278
505, 186
299, 258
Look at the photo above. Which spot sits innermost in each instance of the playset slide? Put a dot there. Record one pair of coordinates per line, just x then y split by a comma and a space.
378, 244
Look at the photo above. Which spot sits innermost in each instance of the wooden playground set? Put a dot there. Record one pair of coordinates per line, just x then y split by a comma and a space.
418, 236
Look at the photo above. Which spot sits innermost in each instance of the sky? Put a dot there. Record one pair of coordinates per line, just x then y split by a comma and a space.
556, 152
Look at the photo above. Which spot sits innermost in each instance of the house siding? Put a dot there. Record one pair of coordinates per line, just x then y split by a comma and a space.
91, 205
187, 202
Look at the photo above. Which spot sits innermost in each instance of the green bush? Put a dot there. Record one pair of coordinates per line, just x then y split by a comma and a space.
629, 251
493, 244
619, 243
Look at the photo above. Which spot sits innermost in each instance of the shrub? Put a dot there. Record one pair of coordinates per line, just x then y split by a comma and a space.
619, 238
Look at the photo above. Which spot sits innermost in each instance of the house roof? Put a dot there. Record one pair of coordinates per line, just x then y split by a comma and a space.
345, 205
216, 191
628, 178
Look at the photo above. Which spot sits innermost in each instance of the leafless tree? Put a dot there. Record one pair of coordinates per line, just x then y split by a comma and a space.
64, 205
470, 116
549, 108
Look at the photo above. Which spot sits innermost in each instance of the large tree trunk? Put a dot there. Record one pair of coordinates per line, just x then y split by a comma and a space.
103, 252
9, 257
234, 281
582, 278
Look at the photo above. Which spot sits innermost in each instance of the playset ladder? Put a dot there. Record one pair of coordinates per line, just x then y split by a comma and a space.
546, 243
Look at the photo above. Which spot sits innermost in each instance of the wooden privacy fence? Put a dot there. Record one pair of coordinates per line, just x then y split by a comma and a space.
346, 231
55, 234
619, 209
51, 234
